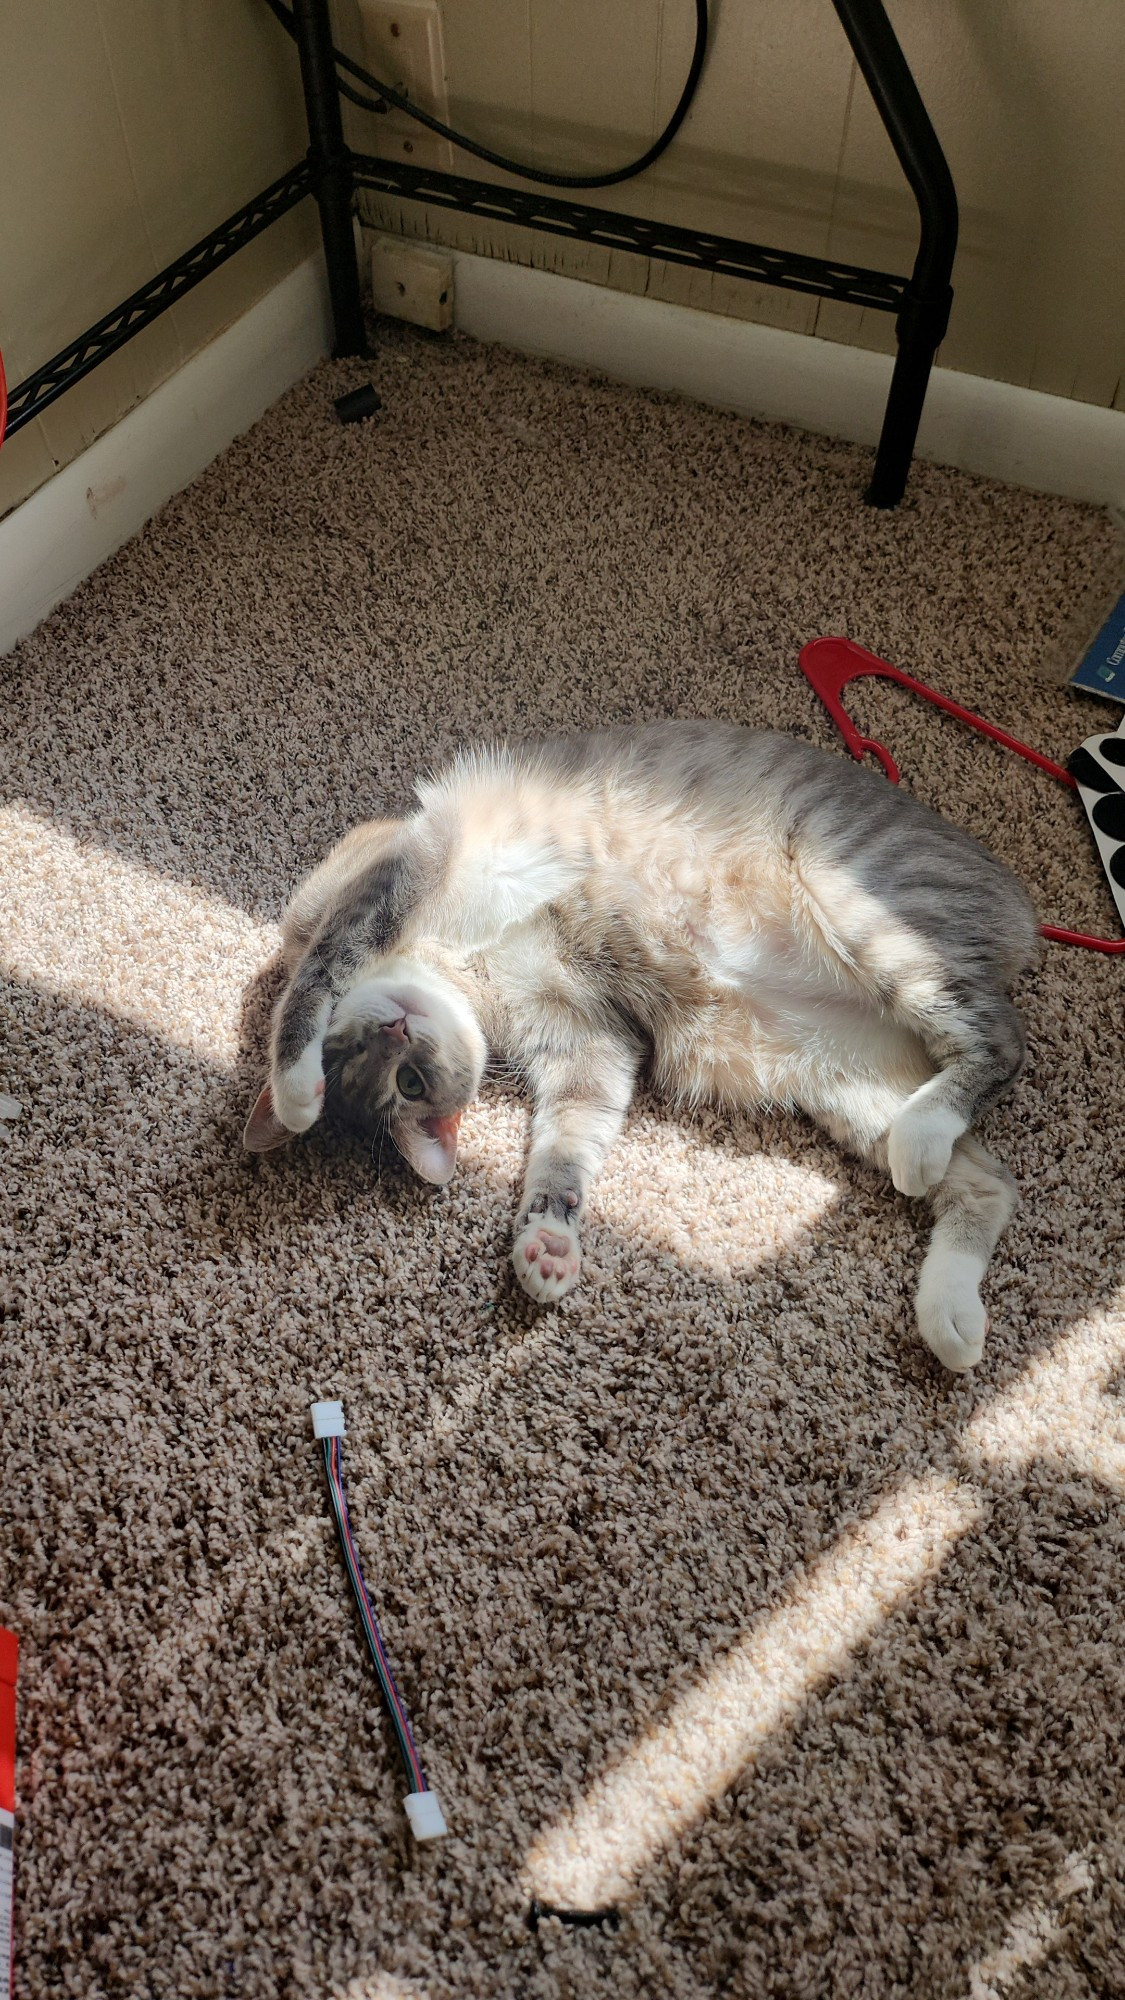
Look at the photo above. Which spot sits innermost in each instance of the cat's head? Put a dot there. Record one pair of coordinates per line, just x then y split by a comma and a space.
404, 1057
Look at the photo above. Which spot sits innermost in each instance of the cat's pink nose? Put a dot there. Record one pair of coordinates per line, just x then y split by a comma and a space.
396, 1030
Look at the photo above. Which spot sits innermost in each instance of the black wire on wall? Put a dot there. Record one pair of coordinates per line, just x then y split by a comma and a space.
387, 96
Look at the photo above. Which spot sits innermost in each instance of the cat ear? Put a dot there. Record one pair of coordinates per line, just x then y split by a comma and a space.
264, 1129
430, 1146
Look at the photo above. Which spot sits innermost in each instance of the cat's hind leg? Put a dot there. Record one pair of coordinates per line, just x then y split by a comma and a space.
978, 1050
581, 1094
972, 1204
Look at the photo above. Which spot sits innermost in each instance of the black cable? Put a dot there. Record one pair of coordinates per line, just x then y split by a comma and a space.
334, 1473
389, 96
285, 16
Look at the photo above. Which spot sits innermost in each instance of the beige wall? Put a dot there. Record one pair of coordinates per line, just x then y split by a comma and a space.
128, 129
784, 147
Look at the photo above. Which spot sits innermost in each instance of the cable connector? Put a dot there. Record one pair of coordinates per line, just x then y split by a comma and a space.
328, 1420
423, 1810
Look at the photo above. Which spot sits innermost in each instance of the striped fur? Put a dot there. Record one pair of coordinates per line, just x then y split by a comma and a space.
753, 919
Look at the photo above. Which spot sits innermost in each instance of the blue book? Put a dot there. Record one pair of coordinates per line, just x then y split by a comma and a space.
1101, 670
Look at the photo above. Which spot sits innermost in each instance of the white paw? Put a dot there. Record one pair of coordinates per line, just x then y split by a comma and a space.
298, 1092
951, 1318
920, 1146
547, 1259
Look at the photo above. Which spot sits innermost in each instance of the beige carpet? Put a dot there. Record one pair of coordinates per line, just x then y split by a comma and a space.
714, 1601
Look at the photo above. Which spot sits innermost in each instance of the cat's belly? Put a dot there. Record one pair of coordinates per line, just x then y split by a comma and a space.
810, 1052
785, 1021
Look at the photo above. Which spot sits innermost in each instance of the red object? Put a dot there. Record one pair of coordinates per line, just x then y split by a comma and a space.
9, 1661
829, 664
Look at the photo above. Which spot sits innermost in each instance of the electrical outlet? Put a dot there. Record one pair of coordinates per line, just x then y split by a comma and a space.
404, 46
412, 281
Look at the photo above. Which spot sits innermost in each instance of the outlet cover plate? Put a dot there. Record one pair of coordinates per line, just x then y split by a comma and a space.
403, 45
412, 281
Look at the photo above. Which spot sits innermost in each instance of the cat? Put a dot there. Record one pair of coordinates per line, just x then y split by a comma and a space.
753, 920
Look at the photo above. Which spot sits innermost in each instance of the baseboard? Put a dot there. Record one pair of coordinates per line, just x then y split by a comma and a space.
1020, 436
63, 531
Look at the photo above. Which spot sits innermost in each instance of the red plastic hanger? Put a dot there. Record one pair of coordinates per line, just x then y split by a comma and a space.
829, 664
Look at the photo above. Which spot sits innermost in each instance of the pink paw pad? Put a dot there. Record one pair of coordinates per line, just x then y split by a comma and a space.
546, 1245
547, 1261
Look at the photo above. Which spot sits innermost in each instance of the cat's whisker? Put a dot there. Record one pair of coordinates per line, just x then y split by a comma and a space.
378, 1139
333, 1075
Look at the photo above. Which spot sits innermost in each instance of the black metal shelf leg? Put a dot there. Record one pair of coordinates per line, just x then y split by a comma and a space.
919, 330
331, 166
921, 325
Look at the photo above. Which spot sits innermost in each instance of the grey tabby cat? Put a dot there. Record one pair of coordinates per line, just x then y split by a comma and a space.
756, 920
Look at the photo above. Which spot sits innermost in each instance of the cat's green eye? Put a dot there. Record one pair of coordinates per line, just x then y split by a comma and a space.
409, 1082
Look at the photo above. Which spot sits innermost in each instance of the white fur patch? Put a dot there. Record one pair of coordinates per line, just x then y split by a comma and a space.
951, 1317
480, 811
505, 885
920, 1142
298, 1092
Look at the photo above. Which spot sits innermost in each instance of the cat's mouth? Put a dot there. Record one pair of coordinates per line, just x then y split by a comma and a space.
429, 1145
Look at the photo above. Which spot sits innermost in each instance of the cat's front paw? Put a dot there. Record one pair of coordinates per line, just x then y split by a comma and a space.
920, 1146
298, 1093
547, 1259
